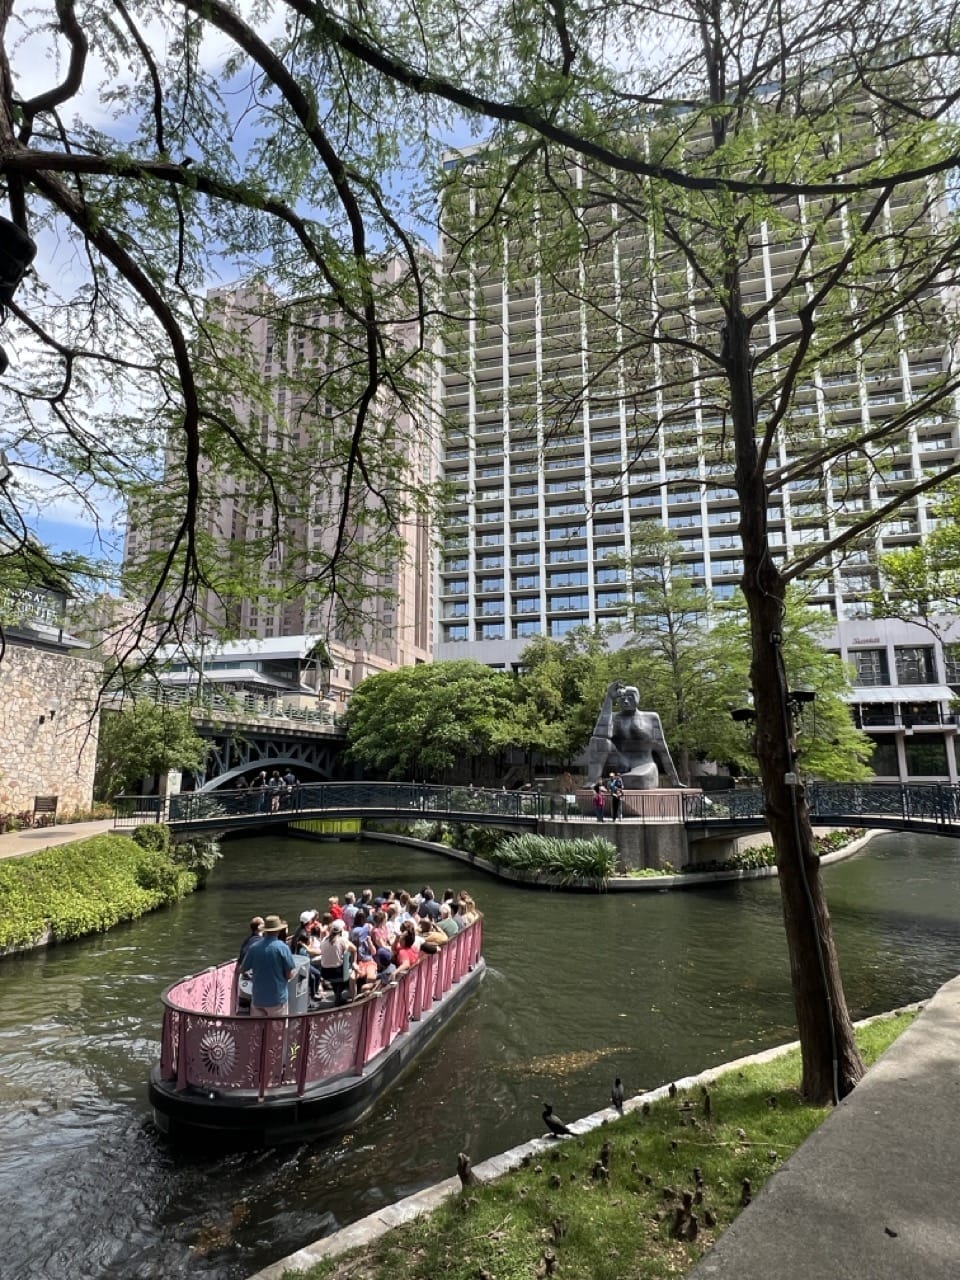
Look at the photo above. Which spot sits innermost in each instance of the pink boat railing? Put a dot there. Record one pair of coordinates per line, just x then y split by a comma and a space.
204, 1045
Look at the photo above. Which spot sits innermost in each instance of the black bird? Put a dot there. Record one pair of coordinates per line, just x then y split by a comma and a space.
554, 1123
616, 1094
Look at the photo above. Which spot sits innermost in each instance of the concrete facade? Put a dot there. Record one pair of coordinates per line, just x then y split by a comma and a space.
49, 729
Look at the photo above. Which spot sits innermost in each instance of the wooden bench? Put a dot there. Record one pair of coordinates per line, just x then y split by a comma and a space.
45, 810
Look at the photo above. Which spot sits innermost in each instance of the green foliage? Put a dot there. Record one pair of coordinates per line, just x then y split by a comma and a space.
154, 836
144, 738
922, 583
482, 842
502, 1227
565, 861
419, 722
199, 855
84, 887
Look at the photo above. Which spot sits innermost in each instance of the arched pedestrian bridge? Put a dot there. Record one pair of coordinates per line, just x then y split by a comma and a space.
933, 808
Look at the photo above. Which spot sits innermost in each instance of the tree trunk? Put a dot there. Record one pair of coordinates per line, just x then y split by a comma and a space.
832, 1065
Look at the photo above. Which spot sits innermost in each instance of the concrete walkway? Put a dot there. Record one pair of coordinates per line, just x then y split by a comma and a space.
871, 1194
13, 844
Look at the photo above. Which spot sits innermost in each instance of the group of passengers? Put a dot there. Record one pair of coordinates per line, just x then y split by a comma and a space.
365, 942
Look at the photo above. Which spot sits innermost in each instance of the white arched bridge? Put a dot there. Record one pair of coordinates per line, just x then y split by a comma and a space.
933, 808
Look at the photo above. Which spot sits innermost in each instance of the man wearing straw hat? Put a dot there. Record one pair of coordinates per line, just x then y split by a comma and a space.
272, 964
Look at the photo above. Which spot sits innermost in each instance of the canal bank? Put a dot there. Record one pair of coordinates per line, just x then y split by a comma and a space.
872, 1174
625, 884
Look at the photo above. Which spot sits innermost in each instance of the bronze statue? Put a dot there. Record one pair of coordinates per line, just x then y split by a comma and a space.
629, 741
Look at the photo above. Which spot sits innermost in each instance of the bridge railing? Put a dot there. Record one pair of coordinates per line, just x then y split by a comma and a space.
307, 798
219, 705
905, 802
205, 1045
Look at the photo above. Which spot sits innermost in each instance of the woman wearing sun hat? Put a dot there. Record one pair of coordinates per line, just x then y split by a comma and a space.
272, 963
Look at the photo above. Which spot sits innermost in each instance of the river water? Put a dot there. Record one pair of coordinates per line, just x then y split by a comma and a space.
648, 986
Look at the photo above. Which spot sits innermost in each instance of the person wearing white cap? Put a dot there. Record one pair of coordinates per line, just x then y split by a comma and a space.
306, 943
336, 962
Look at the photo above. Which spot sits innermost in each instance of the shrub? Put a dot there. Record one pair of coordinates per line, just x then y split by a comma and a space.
566, 861
84, 887
199, 855
156, 836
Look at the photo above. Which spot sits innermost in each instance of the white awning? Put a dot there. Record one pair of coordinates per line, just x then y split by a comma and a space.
903, 693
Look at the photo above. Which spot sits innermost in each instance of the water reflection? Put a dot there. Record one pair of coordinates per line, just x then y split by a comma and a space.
648, 987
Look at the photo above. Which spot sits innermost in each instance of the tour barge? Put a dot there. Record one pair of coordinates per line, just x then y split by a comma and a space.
245, 1083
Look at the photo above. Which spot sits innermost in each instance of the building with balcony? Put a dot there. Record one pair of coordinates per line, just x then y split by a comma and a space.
558, 455
906, 685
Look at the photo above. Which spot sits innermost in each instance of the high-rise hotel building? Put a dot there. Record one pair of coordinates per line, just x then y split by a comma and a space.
558, 456
394, 625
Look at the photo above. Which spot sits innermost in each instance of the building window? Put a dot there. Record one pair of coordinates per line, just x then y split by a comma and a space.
456, 633
490, 631
568, 578
565, 603
617, 574
870, 667
915, 664
561, 626
951, 662
531, 628
611, 599
526, 604
926, 757
456, 610
458, 587
489, 584
527, 582
526, 557
460, 565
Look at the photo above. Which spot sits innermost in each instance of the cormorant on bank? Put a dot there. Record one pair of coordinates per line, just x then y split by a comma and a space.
554, 1123
616, 1094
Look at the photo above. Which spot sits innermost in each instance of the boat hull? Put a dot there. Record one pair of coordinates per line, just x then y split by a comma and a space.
237, 1120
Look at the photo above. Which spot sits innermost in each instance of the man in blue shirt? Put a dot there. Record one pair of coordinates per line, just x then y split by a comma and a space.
272, 964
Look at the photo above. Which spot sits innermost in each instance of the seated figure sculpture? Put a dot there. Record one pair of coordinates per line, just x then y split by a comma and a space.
630, 741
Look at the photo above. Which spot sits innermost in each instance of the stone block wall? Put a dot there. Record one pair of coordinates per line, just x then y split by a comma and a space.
48, 728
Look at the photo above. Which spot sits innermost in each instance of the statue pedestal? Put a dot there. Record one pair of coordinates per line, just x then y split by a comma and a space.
651, 832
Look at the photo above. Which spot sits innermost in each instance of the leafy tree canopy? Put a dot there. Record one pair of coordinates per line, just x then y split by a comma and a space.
142, 739
417, 722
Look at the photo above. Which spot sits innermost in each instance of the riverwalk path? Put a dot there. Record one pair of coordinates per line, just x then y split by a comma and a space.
14, 844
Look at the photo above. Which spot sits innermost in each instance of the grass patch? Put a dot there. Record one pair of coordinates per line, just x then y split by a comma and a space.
611, 1204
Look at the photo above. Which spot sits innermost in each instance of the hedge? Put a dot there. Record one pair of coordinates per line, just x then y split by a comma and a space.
84, 887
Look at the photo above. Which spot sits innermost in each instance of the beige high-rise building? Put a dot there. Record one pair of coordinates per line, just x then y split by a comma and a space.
393, 624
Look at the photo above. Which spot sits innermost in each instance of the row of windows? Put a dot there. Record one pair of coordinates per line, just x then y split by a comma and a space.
913, 664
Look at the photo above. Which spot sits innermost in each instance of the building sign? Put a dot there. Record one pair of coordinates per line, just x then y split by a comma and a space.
33, 607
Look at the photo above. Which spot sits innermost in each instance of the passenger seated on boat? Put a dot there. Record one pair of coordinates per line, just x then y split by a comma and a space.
386, 967
350, 909
393, 922
380, 934
365, 965
336, 963
447, 924
469, 908
405, 953
431, 937
241, 1001
335, 908
306, 943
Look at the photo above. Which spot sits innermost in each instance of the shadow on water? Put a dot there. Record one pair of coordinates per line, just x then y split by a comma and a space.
579, 989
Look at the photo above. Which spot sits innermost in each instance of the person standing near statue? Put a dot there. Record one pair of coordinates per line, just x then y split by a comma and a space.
615, 787
599, 798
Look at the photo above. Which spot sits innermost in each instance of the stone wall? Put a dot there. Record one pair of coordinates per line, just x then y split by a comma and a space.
48, 728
